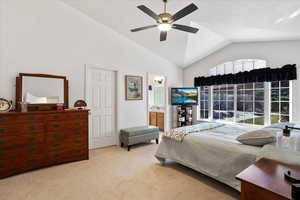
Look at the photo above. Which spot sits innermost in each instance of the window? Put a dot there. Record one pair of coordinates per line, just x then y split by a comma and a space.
280, 102
250, 103
246, 103
204, 93
223, 102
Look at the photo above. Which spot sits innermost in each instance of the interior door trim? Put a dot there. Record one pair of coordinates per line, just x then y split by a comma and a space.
112, 69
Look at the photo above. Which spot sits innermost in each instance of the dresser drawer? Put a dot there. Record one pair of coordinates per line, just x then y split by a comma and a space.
59, 136
9, 167
9, 141
77, 116
33, 161
20, 129
67, 155
7, 154
15, 141
33, 128
57, 117
30, 118
67, 144
57, 126
10, 130
67, 116
7, 119
33, 150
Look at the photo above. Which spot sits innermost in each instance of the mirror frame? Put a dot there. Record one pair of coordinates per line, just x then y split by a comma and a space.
40, 107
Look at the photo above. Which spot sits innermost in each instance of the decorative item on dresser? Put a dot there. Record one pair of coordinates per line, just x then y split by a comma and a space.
264, 180
80, 104
157, 119
5, 105
32, 140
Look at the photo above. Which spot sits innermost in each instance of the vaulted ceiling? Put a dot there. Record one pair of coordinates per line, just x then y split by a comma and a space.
221, 22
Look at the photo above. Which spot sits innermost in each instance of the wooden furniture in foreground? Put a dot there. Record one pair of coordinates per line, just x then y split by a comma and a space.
265, 180
157, 119
33, 140
40, 107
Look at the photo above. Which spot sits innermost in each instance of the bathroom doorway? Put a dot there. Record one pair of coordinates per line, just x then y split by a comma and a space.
157, 101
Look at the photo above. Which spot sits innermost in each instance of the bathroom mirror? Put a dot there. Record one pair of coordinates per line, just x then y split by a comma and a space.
41, 91
157, 92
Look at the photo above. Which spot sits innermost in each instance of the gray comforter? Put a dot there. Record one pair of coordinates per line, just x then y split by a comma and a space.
213, 152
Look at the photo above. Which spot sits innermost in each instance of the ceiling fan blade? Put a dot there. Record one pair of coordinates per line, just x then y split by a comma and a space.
163, 35
185, 28
184, 12
143, 28
149, 12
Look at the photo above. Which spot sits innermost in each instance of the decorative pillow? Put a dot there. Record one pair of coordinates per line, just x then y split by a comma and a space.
259, 137
281, 125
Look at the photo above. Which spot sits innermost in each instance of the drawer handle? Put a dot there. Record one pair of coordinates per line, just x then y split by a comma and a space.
2, 166
2, 142
77, 132
77, 151
32, 149
56, 145
57, 155
77, 123
31, 118
56, 125
31, 138
77, 141
32, 160
56, 134
32, 128
2, 119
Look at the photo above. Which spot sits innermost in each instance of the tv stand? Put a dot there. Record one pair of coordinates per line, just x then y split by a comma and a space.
184, 115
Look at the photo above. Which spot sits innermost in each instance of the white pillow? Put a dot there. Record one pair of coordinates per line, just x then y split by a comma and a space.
259, 137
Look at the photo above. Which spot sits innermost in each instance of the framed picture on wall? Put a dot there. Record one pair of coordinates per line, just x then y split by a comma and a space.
133, 87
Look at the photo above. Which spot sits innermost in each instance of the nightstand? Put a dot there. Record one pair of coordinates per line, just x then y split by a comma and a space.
265, 180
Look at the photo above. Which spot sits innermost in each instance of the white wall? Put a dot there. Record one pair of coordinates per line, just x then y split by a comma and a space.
47, 36
276, 54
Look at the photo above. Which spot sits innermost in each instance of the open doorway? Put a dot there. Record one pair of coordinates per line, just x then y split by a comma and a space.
157, 101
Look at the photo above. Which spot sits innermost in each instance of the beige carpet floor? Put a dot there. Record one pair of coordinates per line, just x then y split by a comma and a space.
114, 174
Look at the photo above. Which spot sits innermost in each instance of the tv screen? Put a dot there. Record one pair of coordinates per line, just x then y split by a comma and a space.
184, 96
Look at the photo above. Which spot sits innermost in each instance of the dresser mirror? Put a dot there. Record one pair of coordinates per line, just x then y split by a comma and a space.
41, 91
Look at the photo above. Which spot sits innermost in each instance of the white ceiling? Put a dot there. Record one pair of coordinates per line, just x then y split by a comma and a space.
220, 22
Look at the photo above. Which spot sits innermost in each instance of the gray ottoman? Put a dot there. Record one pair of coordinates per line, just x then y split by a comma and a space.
136, 135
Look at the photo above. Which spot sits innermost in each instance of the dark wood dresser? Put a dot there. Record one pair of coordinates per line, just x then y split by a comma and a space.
33, 140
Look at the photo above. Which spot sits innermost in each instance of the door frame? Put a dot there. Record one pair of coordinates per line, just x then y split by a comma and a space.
112, 69
166, 115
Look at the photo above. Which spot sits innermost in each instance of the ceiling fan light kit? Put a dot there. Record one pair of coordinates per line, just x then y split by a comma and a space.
165, 21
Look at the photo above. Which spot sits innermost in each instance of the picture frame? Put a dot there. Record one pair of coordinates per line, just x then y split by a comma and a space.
133, 88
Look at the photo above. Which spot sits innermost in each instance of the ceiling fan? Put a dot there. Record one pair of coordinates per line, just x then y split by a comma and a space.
165, 21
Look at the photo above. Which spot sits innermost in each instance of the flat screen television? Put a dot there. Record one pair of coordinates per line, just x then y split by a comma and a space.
184, 96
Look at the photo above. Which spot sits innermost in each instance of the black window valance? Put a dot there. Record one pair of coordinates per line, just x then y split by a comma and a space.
287, 72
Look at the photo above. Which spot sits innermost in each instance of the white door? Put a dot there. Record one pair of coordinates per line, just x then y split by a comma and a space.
101, 91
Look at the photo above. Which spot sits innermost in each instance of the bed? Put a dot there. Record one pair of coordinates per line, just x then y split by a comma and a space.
213, 151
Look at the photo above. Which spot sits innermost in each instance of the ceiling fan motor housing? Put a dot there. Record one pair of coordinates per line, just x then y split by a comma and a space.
165, 18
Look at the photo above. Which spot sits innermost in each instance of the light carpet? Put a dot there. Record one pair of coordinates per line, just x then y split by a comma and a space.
114, 174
